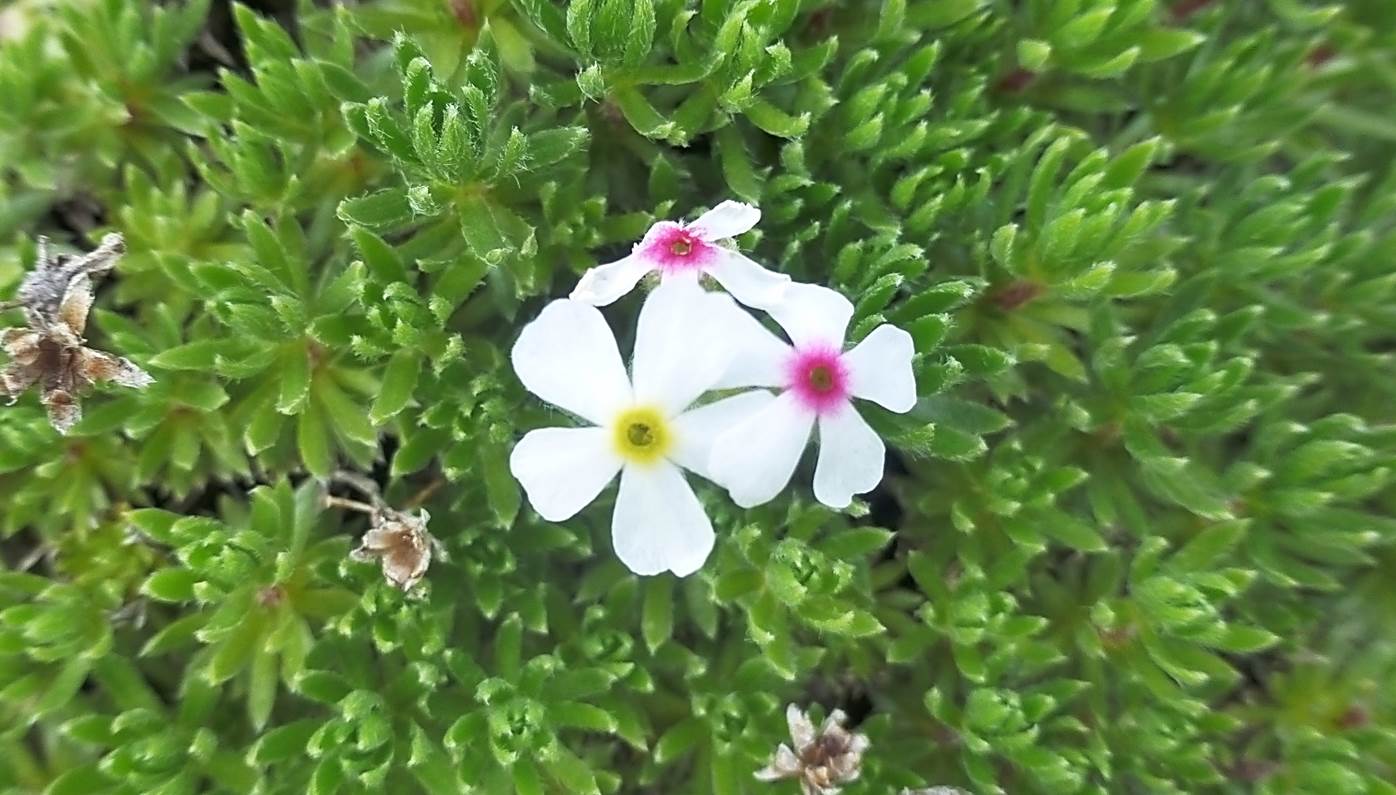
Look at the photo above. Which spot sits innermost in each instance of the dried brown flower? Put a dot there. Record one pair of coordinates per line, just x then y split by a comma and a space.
401, 543
822, 761
50, 352
397, 539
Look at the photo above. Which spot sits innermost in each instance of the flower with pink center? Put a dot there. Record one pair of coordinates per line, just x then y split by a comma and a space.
818, 378
756, 457
675, 249
686, 251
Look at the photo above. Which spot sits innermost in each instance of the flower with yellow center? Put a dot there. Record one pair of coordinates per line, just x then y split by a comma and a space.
642, 435
642, 426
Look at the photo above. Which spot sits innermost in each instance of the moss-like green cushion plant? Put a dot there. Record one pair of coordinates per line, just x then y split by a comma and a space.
1034, 436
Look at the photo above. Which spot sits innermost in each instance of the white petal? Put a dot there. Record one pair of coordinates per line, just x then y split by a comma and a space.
728, 219
696, 430
604, 284
784, 765
801, 728
684, 343
834, 720
851, 458
563, 469
568, 357
760, 358
659, 525
879, 369
813, 315
747, 281
755, 458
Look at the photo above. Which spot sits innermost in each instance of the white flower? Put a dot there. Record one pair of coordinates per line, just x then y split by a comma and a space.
685, 251
643, 428
755, 459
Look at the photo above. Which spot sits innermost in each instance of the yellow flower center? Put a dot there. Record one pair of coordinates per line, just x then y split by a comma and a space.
642, 435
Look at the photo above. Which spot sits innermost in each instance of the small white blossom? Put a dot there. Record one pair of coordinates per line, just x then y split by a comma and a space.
686, 251
822, 761
643, 427
756, 458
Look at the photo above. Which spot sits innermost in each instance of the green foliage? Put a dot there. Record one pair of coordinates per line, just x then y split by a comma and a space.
1135, 536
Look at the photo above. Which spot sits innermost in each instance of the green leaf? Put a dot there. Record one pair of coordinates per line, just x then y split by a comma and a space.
776, 121
1126, 169
981, 360
577, 715
489, 227
657, 622
80, 780
1068, 530
344, 416
1245, 640
261, 688
399, 380
678, 740
283, 742
502, 490
736, 583
737, 168
550, 147
526, 778
383, 211
313, 441
176, 635
1157, 44
171, 585
641, 114
294, 371
236, 649
62, 688
1033, 54
508, 647
954, 444
199, 355
856, 543
1208, 548
382, 260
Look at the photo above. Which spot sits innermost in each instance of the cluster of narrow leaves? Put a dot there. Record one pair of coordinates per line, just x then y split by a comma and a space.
1136, 535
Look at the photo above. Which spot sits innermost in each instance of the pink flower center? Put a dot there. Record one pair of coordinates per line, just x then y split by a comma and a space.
673, 249
819, 378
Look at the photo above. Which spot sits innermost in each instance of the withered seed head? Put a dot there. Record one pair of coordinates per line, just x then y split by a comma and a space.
50, 352
402, 545
397, 539
822, 761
